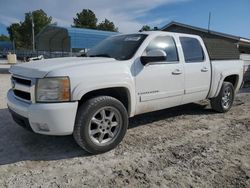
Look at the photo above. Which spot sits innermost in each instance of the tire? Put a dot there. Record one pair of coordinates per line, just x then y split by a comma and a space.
227, 93
101, 123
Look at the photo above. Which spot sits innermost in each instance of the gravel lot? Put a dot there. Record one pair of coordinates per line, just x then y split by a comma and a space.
187, 146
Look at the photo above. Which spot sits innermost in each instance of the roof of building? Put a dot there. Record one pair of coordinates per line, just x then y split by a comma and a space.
206, 31
5, 45
78, 38
218, 48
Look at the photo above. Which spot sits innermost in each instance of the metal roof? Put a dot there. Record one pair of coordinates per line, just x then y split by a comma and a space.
6, 45
206, 31
87, 38
55, 38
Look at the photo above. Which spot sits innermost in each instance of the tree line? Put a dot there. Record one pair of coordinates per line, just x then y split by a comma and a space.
21, 32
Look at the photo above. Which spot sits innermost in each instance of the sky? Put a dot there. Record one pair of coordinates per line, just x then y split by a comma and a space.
228, 16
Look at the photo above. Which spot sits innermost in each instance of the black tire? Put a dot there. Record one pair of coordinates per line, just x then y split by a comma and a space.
91, 112
218, 103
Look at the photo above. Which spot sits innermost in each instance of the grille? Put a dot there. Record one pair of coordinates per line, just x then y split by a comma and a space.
22, 95
22, 81
22, 88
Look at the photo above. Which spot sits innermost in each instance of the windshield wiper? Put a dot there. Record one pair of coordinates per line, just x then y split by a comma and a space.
100, 55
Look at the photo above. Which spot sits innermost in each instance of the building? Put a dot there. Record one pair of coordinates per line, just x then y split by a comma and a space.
68, 39
6, 46
220, 45
243, 44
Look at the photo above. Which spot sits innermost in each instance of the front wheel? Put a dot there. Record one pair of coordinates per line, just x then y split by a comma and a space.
101, 124
224, 101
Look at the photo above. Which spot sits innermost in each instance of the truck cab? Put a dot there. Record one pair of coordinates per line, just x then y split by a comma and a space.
182, 78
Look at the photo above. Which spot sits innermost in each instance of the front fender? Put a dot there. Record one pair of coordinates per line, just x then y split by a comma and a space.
82, 89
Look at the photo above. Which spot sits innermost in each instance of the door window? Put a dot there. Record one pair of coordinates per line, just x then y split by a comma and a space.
192, 50
166, 44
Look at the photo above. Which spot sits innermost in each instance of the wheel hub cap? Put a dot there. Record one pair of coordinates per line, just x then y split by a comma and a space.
105, 125
227, 98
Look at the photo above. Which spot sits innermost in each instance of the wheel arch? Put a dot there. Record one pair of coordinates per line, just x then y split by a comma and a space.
120, 93
233, 79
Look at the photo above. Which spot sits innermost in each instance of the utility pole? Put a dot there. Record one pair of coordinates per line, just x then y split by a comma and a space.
13, 46
33, 33
209, 22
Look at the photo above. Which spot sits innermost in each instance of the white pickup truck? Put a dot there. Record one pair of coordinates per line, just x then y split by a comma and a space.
93, 97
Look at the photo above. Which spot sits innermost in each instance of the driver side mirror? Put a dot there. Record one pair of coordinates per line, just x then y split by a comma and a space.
154, 56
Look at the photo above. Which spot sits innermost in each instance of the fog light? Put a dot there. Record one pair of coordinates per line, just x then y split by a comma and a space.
42, 127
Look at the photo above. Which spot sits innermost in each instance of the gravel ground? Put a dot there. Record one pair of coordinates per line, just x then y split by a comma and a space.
187, 146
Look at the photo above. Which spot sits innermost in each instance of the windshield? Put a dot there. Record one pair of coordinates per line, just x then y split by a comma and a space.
122, 47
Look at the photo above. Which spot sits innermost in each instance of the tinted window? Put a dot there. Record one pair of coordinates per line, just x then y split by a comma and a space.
164, 43
192, 49
121, 47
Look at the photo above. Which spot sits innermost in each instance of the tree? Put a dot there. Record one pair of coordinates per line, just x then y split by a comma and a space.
15, 34
85, 19
21, 32
107, 25
4, 38
145, 28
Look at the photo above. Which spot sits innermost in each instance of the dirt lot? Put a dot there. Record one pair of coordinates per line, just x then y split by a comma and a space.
188, 146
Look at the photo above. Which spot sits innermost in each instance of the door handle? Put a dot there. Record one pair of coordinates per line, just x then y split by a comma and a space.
204, 69
176, 72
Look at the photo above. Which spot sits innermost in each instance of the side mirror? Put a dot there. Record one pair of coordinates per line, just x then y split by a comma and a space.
154, 56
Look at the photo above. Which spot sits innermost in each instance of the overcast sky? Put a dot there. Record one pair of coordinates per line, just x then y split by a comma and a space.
229, 16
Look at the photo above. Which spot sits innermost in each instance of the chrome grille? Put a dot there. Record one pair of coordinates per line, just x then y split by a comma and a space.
23, 88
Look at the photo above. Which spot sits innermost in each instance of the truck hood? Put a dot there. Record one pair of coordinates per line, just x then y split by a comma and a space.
39, 69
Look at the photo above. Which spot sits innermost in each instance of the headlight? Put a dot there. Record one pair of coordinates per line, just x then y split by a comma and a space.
53, 89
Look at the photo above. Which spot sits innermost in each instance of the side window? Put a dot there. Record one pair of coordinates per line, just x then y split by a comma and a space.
192, 50
167, 44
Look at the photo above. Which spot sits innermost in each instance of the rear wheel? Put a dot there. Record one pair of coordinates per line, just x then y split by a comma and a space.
224, 101
101, 124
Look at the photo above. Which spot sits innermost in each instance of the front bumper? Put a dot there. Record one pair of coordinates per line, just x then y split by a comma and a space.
20, 120
44, 118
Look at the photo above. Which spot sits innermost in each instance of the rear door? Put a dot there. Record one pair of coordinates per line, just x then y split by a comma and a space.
197, 69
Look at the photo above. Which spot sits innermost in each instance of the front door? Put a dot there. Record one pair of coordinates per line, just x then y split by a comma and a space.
160, 85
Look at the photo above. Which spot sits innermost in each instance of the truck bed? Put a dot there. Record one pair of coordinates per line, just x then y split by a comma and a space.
220, 68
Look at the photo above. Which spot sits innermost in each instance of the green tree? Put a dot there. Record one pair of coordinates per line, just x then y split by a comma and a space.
4, 38
85, 19
107, 25
145, 28
21, 32
15, 34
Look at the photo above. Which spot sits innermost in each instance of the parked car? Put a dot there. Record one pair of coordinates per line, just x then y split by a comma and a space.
93, 97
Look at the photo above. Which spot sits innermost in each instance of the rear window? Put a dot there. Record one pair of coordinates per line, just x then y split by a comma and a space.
192, 50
